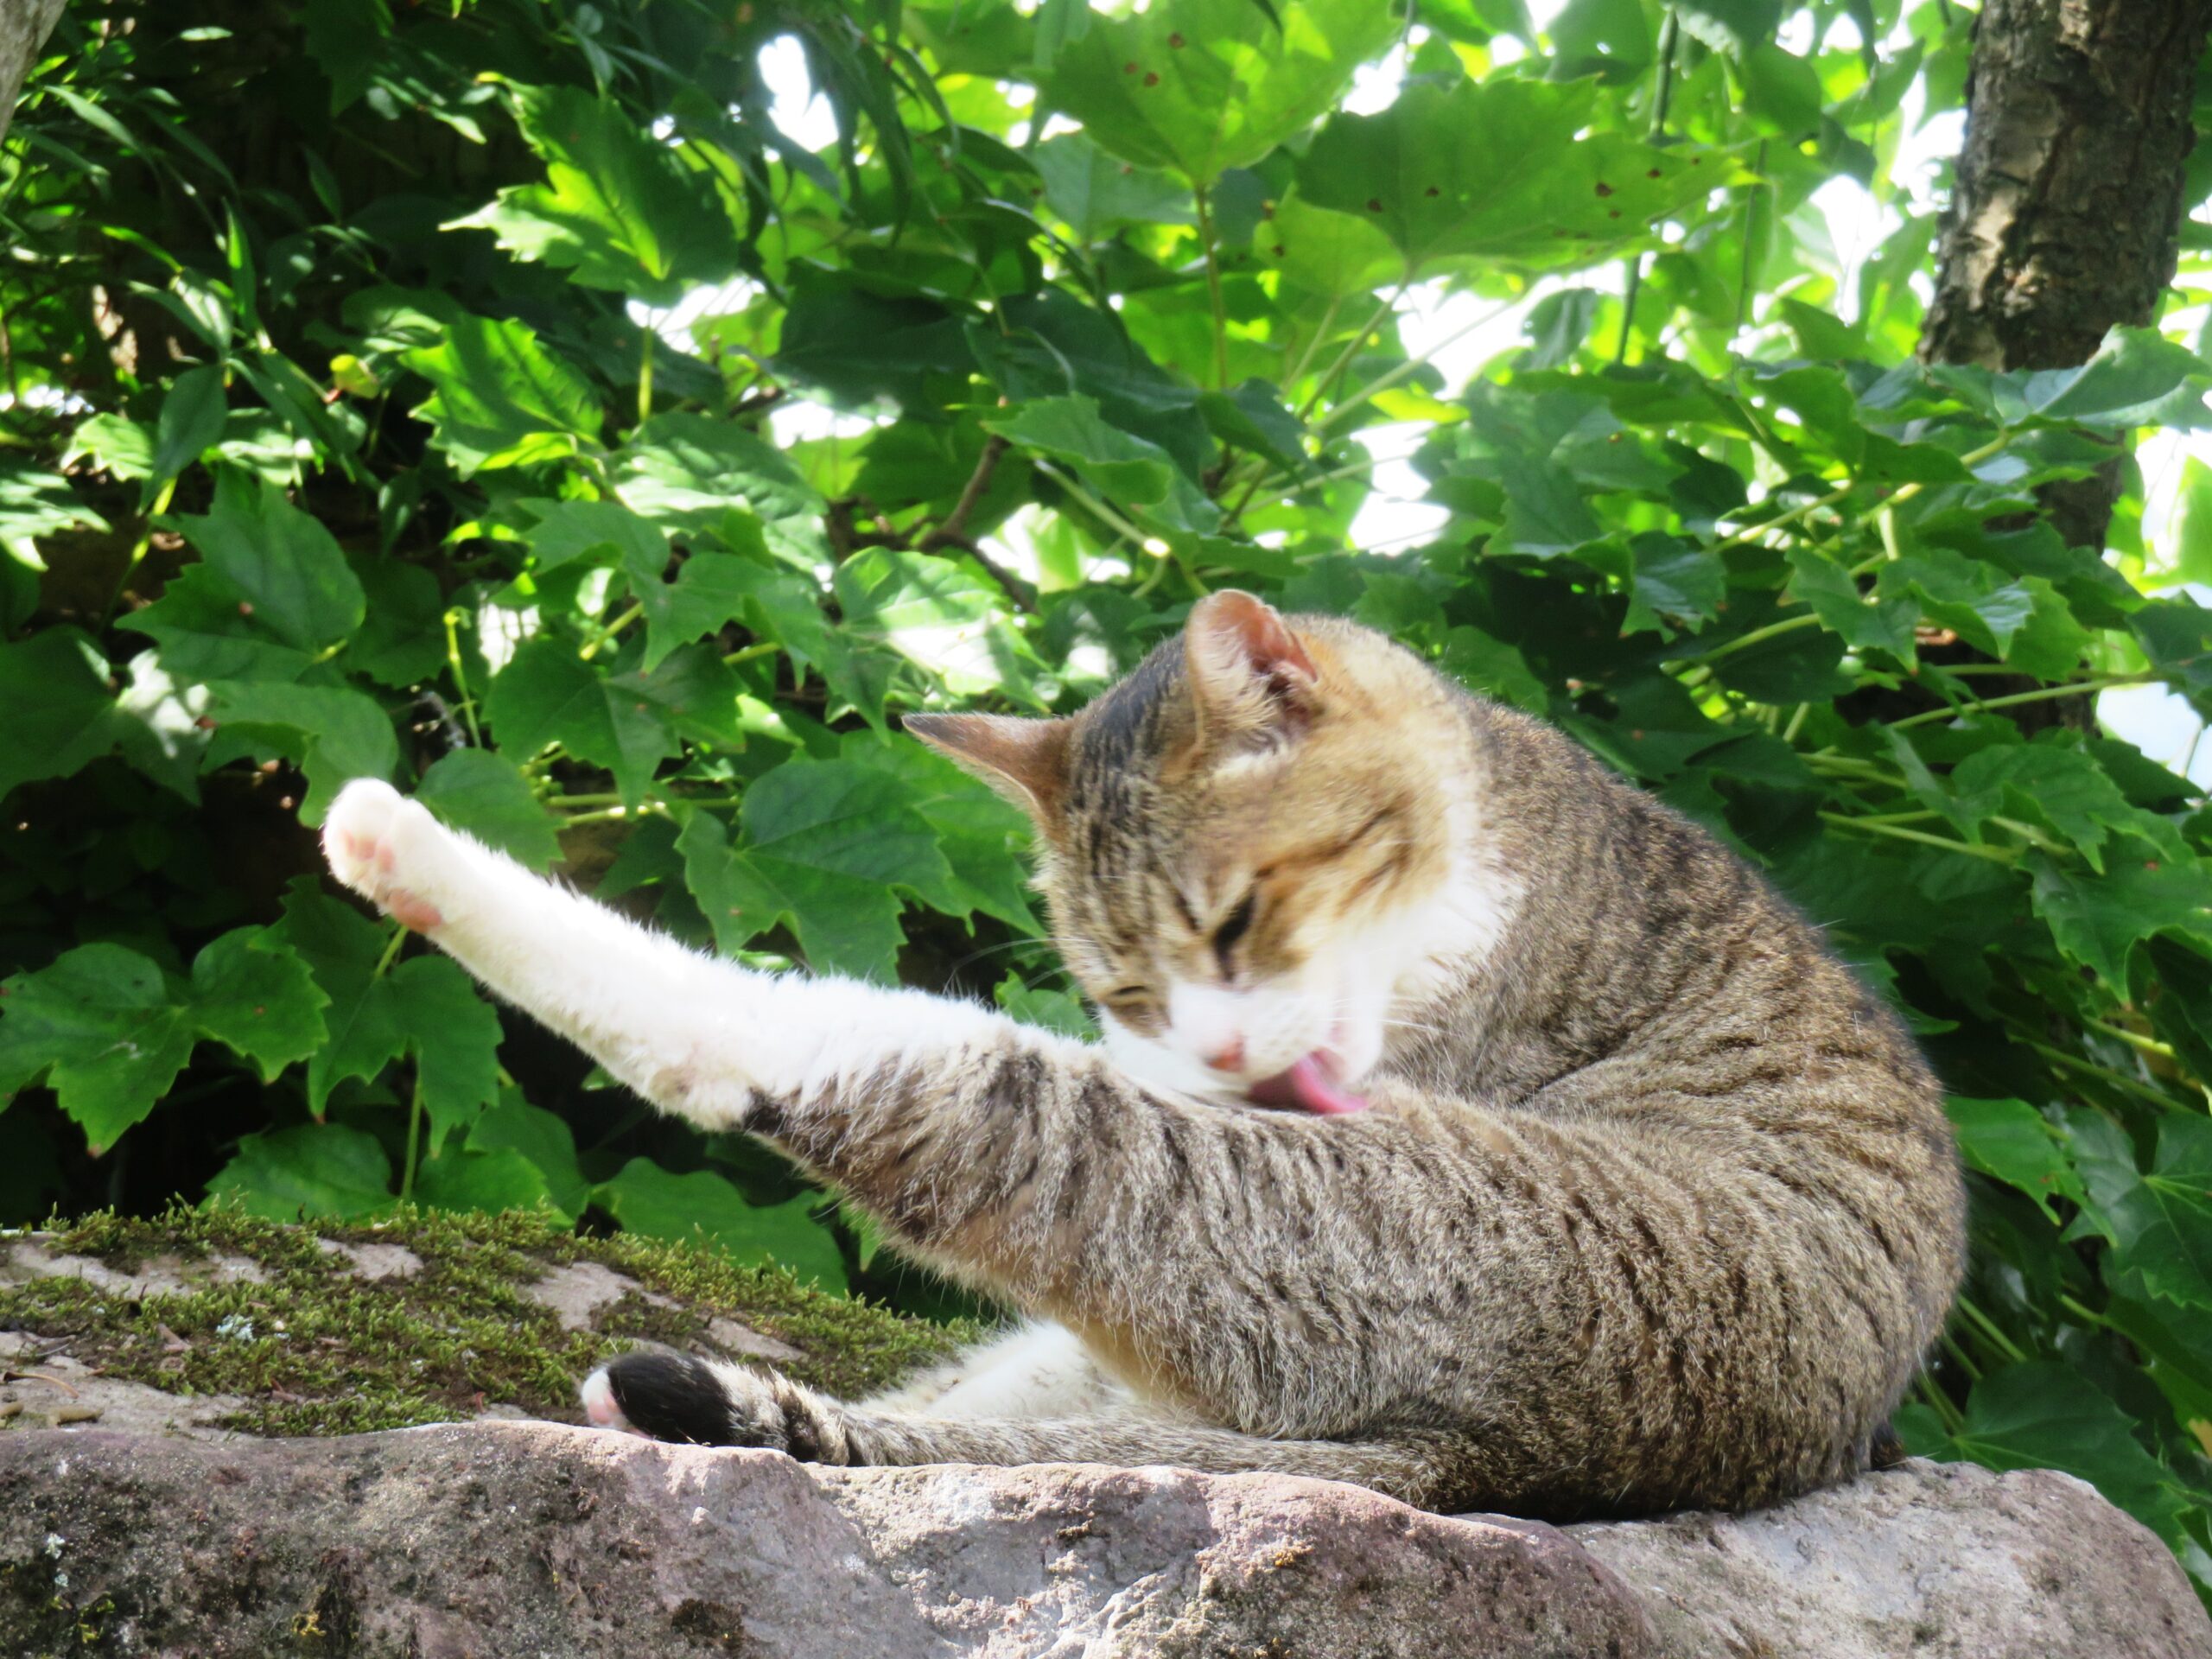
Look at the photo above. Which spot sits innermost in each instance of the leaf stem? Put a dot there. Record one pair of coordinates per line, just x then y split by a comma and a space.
391, 951
2042, 694
1940, 1402
2086, 1315
138, 550
646, 379
1111, 518
1413, 364
1951, 1347
1351, 351
1997, 1338
1760, 636
460, 677
413, 1134
591, 647
1313, 343
2090, 1068
1213, 290
753, 652
1974, 849
2134, 1038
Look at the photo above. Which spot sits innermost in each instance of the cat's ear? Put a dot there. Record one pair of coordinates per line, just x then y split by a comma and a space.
1253, 677
1025, 760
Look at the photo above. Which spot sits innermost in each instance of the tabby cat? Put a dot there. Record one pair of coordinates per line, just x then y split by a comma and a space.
1468, 1126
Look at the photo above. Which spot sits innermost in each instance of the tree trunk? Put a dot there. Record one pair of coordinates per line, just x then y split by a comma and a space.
2066, 218
24, 25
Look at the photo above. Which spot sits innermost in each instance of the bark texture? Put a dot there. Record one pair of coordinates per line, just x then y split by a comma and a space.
2066, 218
24, 25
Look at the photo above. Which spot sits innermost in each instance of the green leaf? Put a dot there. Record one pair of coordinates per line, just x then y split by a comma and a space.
2163, 1224
1677, 580
858, 346
116, 445
111, 1032
191, 422
828, 846
2059, 788
35, 503
1053, 1010
618, 209
270, 594
1255, 418
1863, 621
424, 1007
316, 1170
1504, 171
251, 991
1731, 25
1490, 665
980, 835
101, 1023
501, 400
401, 643
1782, 91
2010, 1141
649, 1200
936, 615
1052, 347
1133, 472
60, 711
1098, 193
513, 1124
466, 1180
547, 694
1203, 85
2138, 377
1335, 254
686, 472
486, 795
2047, 1415
335, 733
2098, 919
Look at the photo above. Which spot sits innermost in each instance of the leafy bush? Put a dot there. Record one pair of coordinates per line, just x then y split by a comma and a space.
350, 430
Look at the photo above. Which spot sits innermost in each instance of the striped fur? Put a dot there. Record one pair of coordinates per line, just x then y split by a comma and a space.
1653, 1204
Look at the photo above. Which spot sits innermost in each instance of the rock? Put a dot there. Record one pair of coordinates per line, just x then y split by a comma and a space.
535, 1539
1936, 1560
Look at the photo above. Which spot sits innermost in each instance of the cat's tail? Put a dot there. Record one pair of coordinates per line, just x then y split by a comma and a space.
707, 1402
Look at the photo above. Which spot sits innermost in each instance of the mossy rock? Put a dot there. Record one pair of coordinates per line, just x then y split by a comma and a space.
207, 1321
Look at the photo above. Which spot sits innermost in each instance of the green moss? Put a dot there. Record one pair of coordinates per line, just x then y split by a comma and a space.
316, 1348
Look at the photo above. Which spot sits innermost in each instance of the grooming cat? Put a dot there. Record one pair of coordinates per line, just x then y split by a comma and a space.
1469, 1126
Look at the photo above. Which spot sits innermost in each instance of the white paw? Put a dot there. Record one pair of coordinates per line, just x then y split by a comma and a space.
385, 847
601, 1409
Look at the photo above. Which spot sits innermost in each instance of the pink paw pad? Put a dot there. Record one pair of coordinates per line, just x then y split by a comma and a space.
412, 912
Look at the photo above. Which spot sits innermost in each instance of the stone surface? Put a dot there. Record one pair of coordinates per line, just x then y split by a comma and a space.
532, 1539
1934, 1560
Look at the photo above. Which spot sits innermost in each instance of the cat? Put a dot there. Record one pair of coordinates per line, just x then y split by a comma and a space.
1468, 1125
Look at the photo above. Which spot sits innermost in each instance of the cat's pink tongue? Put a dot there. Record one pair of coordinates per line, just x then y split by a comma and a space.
1308, 1084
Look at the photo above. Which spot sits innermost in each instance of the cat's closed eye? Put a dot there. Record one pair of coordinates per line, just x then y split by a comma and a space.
1234, 927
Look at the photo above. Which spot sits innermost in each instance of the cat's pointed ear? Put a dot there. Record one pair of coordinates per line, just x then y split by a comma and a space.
1252, 676
1025, 760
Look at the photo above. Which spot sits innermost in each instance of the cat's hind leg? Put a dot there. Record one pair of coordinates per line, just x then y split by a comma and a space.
675, 1397
1033, 1370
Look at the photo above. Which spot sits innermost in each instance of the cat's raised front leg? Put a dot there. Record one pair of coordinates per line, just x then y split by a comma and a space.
693, 1034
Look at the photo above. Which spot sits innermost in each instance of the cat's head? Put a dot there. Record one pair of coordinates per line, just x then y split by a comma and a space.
1252, 846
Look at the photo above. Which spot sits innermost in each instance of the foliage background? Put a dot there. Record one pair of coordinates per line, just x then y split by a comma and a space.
406, 391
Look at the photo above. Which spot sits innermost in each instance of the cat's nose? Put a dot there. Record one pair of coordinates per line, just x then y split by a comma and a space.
1228, 1056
